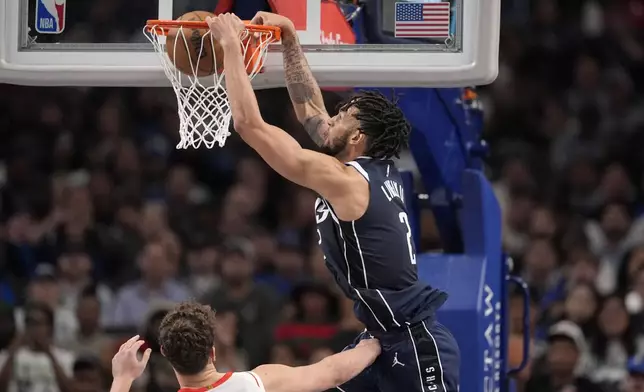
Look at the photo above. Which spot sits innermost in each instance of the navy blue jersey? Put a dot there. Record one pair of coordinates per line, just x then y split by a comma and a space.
373, 258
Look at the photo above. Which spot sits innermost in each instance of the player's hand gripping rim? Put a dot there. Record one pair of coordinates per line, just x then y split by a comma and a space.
263, 18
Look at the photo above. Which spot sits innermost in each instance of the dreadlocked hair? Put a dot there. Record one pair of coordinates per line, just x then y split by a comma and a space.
382, 121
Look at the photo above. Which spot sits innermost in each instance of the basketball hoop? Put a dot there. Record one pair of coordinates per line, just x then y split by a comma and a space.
202, 101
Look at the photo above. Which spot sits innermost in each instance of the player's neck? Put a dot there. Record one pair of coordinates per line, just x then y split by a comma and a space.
207, 377
352, 155
346, 157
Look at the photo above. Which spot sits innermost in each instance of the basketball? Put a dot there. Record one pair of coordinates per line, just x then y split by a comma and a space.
191, 52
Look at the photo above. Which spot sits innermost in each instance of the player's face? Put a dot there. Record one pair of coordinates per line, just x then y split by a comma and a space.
341, 129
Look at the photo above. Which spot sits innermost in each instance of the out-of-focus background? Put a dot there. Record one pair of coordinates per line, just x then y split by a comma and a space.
104, 223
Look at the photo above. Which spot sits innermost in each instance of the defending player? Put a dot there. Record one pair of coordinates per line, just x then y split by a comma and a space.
187, 341
363, 226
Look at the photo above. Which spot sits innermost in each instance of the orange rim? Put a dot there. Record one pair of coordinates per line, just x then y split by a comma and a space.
162, 27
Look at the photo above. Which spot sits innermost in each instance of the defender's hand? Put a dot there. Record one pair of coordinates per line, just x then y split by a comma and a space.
270, 19
126, 364
372, 344
226, 28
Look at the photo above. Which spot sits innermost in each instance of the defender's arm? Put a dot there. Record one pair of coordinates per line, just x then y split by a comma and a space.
303, 89
326, 374
319, 172
121, 385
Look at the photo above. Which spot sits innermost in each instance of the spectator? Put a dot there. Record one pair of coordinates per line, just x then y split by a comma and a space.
75, 275
183, 195
156, 284
635, 380
23, 250
317, 264
282, 354
75, 223
609, 241
202, 263
287, 269
615, 342
540, 264
583, 268
580, 180
581, 307
88, 376
123, 242
256, 306
632, 261
543, 224
7, 327
563, 362
313, 324
90, 340
239, 208
634, 301
44, 288
516, 201
265, 246
229, 357
154, 221
34, 353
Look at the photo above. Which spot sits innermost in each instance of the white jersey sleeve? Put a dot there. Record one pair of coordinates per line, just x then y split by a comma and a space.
240, 382
257, 381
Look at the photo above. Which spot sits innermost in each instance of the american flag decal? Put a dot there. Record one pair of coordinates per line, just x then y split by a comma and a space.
422, 20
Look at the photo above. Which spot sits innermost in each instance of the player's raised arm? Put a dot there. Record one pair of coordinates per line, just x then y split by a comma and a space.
126, 366
326, 374
321, 173
302, 86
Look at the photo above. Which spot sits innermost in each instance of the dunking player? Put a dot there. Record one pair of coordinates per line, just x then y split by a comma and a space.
187, 340
363, 226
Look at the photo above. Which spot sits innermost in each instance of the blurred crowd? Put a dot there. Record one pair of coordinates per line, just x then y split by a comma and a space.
566, 124
104, 225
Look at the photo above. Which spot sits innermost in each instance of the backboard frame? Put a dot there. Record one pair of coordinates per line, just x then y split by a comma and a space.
474, 62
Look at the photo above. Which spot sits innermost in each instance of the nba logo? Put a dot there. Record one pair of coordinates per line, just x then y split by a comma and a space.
50, 16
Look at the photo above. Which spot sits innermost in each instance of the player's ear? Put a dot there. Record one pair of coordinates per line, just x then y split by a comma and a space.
357, 137
212, 354
162, 351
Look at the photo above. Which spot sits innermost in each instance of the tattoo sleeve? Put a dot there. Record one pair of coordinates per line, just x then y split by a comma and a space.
304, 90
317, 128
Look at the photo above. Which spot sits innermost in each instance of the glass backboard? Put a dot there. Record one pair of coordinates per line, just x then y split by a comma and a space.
375, 43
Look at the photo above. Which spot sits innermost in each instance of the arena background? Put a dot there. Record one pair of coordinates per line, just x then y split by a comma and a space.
96, 204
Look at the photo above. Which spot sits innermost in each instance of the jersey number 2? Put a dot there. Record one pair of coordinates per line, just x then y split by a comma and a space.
405, 220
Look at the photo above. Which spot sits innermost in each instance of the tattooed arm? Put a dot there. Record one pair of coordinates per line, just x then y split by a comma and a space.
336, 182
302, 87
304, 90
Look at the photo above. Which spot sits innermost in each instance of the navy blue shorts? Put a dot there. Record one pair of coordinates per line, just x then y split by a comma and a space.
422, 357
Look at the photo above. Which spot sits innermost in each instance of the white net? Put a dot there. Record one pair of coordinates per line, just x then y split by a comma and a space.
204, 110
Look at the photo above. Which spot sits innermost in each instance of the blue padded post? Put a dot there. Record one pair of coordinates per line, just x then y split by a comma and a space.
475, 283
446, 147
439, 143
